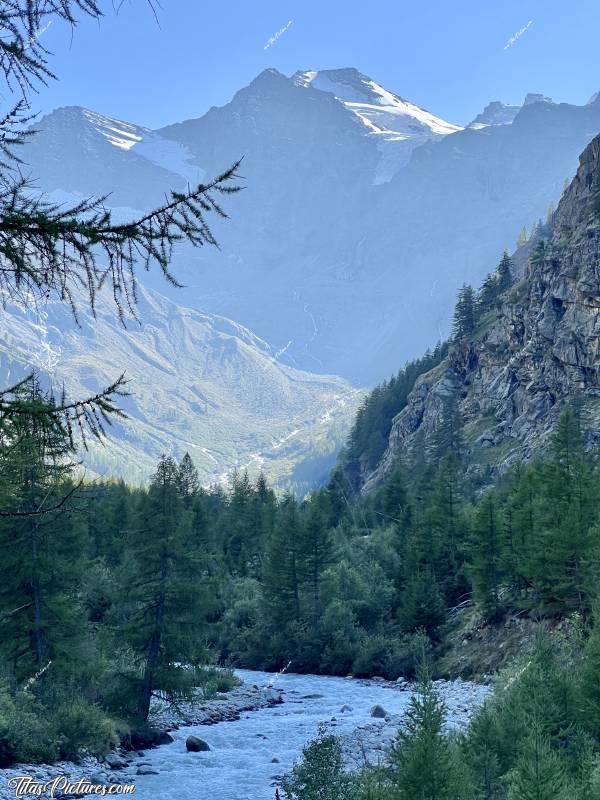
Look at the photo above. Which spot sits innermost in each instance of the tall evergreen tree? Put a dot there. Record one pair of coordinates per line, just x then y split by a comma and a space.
485, 556
504, 273
188, 483
539, 773
41, 541
165, 624
282, 571
422, 755
465, 313
316, 550
563, 536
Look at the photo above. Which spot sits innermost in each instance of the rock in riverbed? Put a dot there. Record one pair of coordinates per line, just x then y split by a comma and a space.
195, 745
146, 769
379, 712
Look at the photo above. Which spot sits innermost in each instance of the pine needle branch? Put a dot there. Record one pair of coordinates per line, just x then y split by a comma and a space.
46, 249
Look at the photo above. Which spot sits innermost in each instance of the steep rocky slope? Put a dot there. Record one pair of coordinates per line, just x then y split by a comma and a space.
526, 360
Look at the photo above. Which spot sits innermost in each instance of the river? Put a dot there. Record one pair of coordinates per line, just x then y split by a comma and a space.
240, 764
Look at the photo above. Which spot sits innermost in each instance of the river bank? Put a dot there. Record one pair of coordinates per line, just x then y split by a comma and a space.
271, 717
122, 765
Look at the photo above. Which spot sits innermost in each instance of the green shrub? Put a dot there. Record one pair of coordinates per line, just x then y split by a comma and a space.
80, 725
25, 731
214, 680
407, 653
320, 775
373, 657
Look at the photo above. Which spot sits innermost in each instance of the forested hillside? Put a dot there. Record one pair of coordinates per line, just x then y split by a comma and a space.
131, 585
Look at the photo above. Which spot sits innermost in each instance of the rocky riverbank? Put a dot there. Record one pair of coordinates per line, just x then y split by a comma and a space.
123, 765
368, 743
366, 714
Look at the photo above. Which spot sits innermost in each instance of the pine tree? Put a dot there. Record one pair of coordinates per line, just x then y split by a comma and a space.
523, 237
588, 682
442, 528
483, 744
394, 496
243, 527
485, 556
320, 775
422, 755
464, 313
188, 483
539, 773
40, 538
165, 627
563, 537
281, 581
447, 440
316, 551
488, 294
504, 273
421, 603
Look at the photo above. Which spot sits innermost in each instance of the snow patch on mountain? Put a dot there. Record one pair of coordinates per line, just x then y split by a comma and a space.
166, 153
399, 125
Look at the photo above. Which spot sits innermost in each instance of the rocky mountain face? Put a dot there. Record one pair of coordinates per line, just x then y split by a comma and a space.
495, 113
541, 350
198, 383
359, 206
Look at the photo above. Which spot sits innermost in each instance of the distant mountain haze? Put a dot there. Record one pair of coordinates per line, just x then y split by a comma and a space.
199, 383
361, 216
362, 213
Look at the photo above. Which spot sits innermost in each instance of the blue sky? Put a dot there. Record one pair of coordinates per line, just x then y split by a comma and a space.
448, 56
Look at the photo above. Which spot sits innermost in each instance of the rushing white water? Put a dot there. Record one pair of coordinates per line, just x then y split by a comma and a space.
239, 765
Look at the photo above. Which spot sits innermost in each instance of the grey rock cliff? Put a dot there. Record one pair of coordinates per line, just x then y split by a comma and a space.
540, 350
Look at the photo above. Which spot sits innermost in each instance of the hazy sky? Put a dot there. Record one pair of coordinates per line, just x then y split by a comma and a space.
449, 56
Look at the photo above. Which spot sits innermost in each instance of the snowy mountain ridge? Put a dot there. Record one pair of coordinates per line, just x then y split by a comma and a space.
321, 242
399, 125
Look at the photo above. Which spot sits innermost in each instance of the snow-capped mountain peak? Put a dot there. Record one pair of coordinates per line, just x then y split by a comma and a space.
399, 125
126, 148
377, 107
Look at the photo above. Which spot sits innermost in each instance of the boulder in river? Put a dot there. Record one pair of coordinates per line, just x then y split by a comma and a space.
195, 745
163, 737
272, 695
345, 709
115, 761
378, 712
98, 779
146, 769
